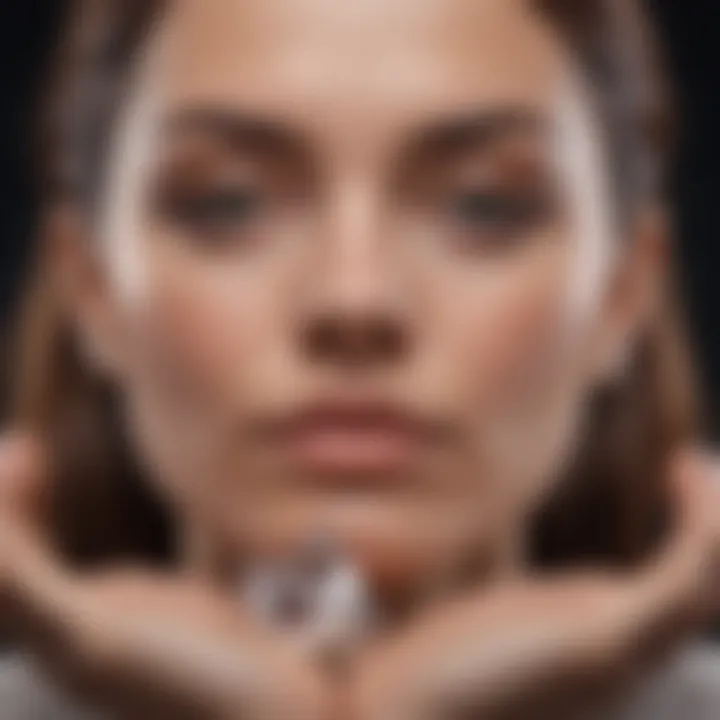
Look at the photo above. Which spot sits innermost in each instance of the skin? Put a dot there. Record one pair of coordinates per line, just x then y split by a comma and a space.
359, 273
215, 328
153, 646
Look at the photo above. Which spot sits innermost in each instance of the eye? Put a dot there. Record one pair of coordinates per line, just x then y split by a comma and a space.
496, 211
216, 211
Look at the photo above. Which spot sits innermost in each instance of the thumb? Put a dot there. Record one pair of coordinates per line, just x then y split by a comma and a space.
34, 585
679, 587
695, 492
24, 480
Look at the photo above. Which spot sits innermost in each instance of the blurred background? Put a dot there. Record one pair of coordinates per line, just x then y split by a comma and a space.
691, 38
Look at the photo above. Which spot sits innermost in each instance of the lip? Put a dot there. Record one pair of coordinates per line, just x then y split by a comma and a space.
342, 438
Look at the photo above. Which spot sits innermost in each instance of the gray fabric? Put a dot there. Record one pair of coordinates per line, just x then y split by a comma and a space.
25, 694
687, 689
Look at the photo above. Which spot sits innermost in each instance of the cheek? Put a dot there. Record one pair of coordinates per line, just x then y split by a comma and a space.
518, 350
511, 330
187, 332
195, 336
200, 327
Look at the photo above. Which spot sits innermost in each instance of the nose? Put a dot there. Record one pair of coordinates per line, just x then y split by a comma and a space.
358, 309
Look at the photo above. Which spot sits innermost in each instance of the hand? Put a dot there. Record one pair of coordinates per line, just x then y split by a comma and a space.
552, 648
145, 644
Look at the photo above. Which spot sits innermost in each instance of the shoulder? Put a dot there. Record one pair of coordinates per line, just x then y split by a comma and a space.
25, 694
687, 688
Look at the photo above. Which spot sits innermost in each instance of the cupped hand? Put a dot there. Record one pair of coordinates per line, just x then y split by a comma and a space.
157, 645
142, 643
554, 648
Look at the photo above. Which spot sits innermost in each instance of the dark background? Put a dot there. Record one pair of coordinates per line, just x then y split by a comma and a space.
692, 39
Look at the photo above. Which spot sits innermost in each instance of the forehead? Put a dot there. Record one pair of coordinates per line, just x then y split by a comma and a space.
365, 61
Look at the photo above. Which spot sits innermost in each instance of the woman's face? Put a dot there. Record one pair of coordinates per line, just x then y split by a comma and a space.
355, 273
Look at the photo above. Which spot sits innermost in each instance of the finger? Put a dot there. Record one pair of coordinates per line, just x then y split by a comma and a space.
694, 477
675, 594
699, 479
23, 477
35, 588
690, 553
24, 491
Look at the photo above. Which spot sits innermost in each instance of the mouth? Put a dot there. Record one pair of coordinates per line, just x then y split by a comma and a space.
368, 441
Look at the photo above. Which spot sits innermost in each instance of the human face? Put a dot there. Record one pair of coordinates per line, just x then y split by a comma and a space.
355, 261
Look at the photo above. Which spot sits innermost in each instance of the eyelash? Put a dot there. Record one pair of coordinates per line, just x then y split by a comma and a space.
486, 218
497, 213
216, 212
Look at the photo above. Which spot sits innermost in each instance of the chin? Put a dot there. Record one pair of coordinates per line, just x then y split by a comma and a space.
403, 547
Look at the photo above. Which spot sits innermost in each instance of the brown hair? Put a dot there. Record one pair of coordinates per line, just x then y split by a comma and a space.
610, 507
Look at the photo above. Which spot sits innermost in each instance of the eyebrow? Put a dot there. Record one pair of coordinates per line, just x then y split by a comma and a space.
233, 127
483, 127
244, 129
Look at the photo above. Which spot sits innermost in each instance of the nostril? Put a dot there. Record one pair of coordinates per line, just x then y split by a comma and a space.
357, 340
322, 338
388, 338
